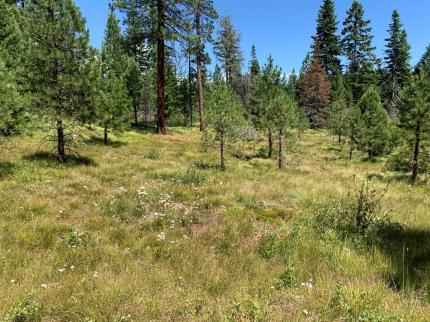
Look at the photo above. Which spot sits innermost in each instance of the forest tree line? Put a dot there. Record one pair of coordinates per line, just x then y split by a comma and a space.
154, 66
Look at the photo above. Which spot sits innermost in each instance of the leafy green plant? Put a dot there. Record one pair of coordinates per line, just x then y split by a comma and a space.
26, 311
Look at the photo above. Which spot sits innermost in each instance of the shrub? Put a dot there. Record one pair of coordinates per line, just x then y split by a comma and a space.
26, 311
356, 213
401, 160
287, 278
190, 177
76, 239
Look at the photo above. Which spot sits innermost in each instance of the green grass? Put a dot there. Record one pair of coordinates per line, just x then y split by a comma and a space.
151, 229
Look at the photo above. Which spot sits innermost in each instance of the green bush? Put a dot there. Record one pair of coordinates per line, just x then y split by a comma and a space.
26, 311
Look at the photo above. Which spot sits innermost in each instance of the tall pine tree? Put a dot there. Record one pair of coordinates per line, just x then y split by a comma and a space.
254, 66
415, 119
357, 47
227, 50
327, 39
203, 16
56, 63
397, 68
114, 108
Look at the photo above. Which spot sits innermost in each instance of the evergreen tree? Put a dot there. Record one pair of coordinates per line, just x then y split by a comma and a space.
164, 21
134, 84
264, 89
357, 47
254, 66
203, 16
292, 85
135, 40
11, 38
13, 52
225, 115
397, 69
415, 119
227, 50
56, 62
327, 39
9, 98
337, 111
283, 115
375, 124
114, 106
424, 62
217, 75
315, 92
354, 129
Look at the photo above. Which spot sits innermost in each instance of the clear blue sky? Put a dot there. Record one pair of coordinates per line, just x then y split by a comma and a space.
284, 28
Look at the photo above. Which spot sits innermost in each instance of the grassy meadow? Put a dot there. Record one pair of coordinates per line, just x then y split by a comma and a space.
149, 229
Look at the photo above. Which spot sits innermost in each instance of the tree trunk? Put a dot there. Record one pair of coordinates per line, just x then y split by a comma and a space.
200, 93
416, 152
351, 146
61, 154
161, 112
135, 110
280, 159
106, 137
222, 150
270, 144
339, 137
190, 87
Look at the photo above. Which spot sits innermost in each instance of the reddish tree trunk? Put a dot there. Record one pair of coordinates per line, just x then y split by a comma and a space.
161, 112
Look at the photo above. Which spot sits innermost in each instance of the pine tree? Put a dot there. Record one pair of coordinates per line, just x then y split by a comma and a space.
56, 62
283, 115
254, 66
337, 111
357, 47
227, 50
12, 52
264, 89
135, 35
375, 124
164, 21
203, 16
134, 85
415, 118
217, 75
292, 85
424, 62
9, 97
114, 106
11, 39
397, 69
315, 92
327, 39
225, 115
354, 129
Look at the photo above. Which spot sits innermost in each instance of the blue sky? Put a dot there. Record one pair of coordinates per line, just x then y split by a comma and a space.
284, 28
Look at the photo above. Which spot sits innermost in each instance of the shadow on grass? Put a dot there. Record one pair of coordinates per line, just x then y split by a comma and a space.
202, 165
6, 169
99, 141
144, 128
50, 159
408, 250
